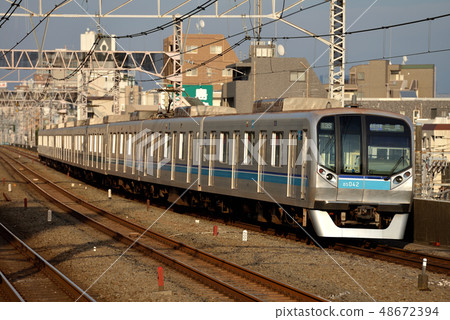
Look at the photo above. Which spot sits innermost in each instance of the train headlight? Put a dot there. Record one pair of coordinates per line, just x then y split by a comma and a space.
329, 177
407, 174
321, 171
398, 179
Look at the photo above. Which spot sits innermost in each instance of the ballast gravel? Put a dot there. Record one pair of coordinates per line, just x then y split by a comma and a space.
110, 273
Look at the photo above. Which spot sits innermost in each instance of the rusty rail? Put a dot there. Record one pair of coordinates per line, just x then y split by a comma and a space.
63, 288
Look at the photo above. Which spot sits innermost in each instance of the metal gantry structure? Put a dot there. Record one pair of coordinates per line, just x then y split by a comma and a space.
336, 72
155, 64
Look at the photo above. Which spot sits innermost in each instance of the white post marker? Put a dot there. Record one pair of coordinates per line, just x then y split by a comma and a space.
9, 187
423, 277
49, 215
73, 185
424, 265
197, 221
244, 235
109, 194
95, 248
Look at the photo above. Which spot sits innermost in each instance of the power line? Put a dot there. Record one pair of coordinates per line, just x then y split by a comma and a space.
185, 16
364, 30
37, 25
392, 57
13, 7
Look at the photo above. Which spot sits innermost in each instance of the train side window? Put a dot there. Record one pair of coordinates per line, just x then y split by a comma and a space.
130, 141
167, 145
223, 147
181, 146
277, 138
249, 139
113, 145
121, 144
152, 144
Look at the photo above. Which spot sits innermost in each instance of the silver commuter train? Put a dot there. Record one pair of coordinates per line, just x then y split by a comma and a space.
348, 171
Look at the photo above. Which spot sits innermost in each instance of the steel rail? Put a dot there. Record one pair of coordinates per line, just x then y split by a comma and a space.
8, 290
65, 283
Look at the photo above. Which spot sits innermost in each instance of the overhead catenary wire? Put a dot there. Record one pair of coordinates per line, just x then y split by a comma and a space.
35, 27
176, 19
397, 25
13, 7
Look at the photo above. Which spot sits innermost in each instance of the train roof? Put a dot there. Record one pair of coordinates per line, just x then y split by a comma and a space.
311, 114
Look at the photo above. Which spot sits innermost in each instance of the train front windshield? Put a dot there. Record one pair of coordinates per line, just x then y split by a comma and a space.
364, 145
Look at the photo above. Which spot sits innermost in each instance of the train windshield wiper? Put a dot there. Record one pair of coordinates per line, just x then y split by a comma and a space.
395, 167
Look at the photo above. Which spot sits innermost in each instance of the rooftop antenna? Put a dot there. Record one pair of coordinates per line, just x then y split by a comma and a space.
405, 58
280, 50
200, 25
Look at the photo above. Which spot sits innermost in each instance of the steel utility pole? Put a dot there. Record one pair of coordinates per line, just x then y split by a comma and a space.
336, 80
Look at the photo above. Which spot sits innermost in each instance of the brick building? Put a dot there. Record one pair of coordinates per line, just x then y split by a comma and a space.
200, 48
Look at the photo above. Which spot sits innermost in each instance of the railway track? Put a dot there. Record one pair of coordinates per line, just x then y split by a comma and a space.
28, 154
234, 281
399, 256
26, 276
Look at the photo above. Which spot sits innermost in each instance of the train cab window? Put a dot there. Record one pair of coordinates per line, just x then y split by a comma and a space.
327, 143
249, 139
223, 147
388, 145
350, 127
277, 138
181, 146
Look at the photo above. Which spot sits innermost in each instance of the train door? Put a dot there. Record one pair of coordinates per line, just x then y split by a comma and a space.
292, 155
134, 156
261, 160
159, 153
303, 186
190, 156
211, 158
351, 180
145, 150
181, 155
152, 154
235, 159
173, 158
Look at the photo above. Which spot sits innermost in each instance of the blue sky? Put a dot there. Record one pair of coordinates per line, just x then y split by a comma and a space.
374, 45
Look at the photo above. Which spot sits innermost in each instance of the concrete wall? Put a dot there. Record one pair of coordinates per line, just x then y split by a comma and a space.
270, 78
432, 221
